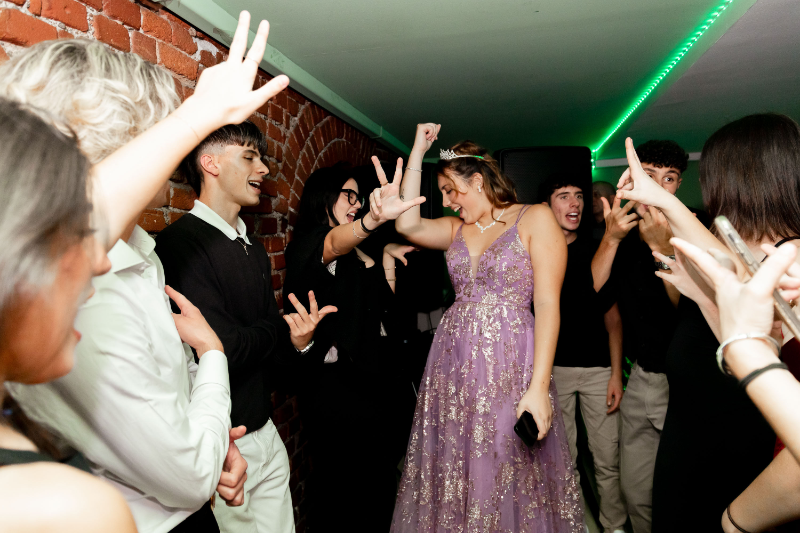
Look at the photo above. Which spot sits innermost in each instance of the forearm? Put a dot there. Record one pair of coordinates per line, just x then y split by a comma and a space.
772, 499
410, 221
614, 328
545, 338
342, 239
602, 262
390, 270
776, 393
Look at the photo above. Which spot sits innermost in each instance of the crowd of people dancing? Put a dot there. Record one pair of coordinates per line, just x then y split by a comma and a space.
138, 372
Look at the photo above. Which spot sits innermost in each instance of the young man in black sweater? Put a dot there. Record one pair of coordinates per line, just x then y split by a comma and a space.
588, 359
208, 257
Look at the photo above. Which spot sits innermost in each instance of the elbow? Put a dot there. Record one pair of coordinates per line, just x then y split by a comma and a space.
191, 491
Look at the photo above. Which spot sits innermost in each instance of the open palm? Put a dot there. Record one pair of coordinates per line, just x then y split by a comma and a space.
385, 202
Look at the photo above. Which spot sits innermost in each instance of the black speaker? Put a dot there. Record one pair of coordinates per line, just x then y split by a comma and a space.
528, 168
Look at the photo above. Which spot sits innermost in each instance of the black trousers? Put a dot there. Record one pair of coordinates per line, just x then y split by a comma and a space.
202, 521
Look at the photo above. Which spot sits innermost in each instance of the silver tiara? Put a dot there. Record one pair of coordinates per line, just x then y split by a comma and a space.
447, 155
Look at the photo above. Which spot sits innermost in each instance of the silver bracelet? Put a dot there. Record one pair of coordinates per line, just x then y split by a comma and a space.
723, 366
306, 349
418, 170
354, 233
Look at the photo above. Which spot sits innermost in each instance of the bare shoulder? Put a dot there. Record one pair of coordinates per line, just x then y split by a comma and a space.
537, 219
54, 497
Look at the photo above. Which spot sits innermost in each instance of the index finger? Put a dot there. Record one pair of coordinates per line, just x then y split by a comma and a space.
178, 298
776, 265
239, 43
716, 273
379, 171
299, 307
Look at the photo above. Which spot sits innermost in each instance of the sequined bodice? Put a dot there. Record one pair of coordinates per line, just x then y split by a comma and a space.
503, 275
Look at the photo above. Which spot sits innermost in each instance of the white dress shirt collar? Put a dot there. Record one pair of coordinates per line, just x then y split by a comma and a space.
124, 256
208, 215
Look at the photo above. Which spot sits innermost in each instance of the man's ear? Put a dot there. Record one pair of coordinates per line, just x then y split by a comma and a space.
209, 164
680, 180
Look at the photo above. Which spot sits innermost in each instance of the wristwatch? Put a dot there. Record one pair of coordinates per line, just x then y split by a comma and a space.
306, 349
661, 265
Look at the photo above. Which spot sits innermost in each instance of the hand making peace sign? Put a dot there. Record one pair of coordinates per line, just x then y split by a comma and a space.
385, 203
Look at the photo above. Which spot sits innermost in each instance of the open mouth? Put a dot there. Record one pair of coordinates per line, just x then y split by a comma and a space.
351, 217
573, 217
255, 186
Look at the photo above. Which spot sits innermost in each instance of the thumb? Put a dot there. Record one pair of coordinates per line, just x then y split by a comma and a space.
328, 309
237, 433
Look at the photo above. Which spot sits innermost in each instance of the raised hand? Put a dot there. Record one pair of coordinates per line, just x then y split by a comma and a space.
655, 231
426, 134
635, 184
192, 326
302, 323
224, 93
234, 471
745, 307
619, 220
385, 203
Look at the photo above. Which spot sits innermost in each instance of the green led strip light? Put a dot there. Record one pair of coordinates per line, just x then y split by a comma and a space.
663, 74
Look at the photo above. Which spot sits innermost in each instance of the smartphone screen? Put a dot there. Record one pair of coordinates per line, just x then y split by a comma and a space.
732, 239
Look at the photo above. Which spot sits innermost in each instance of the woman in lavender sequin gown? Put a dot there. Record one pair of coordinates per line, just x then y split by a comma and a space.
466, 470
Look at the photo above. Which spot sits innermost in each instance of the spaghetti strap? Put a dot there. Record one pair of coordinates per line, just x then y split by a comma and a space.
521, 212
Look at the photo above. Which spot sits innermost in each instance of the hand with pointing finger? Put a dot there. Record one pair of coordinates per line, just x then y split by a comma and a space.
302, 323
192, 326
635, 184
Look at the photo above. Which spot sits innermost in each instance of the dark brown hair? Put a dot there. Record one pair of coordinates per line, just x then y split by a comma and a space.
499, 188
750, 172
663, 154
244, 134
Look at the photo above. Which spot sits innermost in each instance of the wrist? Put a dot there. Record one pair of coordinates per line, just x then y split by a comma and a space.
418, 151
208, 346
742, 357
663, 249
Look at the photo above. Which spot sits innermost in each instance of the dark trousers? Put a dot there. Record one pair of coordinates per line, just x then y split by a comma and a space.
202, 521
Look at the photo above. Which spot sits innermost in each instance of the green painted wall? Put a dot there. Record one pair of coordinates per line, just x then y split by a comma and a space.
689, 193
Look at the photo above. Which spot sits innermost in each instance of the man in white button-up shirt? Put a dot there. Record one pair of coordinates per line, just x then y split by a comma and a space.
149, 419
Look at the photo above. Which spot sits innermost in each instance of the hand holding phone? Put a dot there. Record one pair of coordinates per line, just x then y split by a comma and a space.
732, 239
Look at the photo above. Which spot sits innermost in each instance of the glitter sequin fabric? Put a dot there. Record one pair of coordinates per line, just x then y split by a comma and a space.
466, 470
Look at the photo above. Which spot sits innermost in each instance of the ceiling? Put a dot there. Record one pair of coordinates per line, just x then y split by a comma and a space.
534, 72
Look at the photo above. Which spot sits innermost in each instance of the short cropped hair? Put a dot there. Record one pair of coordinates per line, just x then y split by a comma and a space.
663, 154
750, 172
244, 134
106, 97
555, 182
604, 188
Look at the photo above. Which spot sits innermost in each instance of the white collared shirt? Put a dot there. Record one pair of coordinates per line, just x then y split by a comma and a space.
206, 214
149, 419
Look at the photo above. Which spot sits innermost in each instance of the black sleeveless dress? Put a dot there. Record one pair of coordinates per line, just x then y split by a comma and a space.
715, 441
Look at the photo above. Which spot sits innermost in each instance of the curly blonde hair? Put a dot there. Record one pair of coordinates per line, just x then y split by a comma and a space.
106, 97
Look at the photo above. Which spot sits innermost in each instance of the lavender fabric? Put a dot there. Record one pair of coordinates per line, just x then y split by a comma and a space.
466, 470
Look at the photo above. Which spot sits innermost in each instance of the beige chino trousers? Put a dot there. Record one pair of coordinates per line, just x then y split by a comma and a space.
642, 414
603, 432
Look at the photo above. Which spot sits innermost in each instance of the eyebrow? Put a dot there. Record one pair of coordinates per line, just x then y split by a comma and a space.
251, 151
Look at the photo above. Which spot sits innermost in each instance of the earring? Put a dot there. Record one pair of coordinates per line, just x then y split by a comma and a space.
479, 188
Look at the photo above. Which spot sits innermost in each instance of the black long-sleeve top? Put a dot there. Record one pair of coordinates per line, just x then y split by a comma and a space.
233, 290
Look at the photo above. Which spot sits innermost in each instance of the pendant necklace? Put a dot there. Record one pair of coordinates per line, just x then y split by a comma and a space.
494, 221
243, 245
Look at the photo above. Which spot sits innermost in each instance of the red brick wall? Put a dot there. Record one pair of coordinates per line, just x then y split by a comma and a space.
302, 136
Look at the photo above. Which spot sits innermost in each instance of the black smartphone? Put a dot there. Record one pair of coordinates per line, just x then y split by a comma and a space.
526, 429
